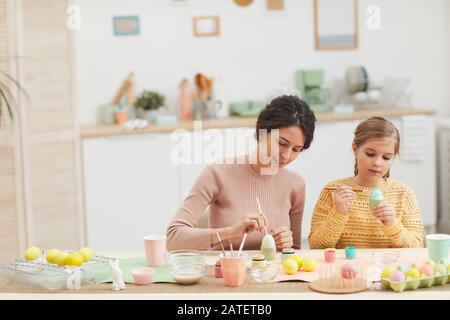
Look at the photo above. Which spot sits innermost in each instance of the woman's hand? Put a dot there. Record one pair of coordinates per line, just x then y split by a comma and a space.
385, 212
342, 197
283, 237
251, 221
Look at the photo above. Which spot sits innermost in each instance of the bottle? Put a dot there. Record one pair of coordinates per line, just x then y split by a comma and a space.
185, 101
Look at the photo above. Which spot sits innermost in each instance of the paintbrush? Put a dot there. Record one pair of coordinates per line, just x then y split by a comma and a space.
221, 244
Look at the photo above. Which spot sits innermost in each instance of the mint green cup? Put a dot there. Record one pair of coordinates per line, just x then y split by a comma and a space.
438, 245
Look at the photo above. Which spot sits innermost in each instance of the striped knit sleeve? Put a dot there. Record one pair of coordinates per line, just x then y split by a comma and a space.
408, 231
327, 223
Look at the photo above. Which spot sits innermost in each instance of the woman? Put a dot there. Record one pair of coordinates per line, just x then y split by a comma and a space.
284, 128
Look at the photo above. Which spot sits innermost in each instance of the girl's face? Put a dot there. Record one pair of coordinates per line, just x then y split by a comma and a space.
289, 142
375, 158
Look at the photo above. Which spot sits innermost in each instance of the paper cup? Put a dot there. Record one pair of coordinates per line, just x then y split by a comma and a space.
438, 245
155, 249
233, 269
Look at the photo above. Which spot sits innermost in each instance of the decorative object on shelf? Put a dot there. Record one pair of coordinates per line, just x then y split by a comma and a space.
221, 105
206, 26
126, 25
336, 24
310, 85
246, 108
148, 104
204, 106
275, 5
243, 3
185, 100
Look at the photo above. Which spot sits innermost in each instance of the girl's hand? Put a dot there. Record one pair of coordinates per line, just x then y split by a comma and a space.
283, 237
342, 197
385, 212
251, 221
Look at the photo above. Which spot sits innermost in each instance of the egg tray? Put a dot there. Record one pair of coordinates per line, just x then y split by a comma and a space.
52, 277
414, 284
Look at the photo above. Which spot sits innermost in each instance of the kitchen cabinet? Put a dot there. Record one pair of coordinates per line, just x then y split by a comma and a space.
131, 189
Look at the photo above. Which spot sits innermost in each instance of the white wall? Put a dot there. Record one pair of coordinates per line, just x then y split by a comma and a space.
256, 51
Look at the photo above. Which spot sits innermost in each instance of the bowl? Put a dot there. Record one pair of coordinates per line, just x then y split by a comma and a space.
186, 267
265, 275
142, 276
386, 257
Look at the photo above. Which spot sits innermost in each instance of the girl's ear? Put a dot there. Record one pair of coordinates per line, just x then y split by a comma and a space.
354, 148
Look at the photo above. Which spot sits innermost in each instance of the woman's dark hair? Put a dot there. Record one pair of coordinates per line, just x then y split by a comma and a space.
286, 111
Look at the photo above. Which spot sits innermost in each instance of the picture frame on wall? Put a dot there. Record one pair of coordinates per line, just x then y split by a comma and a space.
206, 26
336, 24
126, 25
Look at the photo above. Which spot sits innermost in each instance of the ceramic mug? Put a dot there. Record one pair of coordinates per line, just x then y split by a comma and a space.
438, 245
155, 249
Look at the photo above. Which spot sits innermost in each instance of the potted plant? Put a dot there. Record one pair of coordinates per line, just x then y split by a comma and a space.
7, 101
148, 103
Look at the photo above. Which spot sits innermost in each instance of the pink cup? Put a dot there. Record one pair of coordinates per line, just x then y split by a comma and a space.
142, 276
233, 269
155, 249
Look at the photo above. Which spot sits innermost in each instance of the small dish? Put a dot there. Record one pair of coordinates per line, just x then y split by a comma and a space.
142, 276
386, 257
265, 275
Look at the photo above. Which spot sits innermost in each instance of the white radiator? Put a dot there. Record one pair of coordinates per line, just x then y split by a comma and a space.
444, 180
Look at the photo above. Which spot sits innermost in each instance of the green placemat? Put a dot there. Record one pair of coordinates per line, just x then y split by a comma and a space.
102, 274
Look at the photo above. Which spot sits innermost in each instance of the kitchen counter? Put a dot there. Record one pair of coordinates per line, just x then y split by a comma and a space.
101, 130
103, 291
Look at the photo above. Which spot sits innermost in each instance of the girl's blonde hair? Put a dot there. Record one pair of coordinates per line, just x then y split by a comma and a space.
375, 128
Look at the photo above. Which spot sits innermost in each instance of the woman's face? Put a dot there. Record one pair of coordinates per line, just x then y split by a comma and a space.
287, 144
374, 157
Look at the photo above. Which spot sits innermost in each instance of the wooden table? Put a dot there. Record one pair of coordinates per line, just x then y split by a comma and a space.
419, 255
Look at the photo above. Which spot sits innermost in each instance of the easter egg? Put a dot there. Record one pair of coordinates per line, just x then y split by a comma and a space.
348, 272
403, 268
290, 266
387, 272
398, 276
32, 253
427, 270
60, 258
444, 261
376, 197
50, 255
299, 261
309, 264
432, 263
74, 259
448, 268
413, 273
86, 253
268, 247
441, 269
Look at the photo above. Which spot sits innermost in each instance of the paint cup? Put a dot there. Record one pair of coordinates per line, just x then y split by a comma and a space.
438, 245
155, 249
233, 269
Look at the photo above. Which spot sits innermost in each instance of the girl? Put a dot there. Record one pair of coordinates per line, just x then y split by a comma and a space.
231, 189
342, 216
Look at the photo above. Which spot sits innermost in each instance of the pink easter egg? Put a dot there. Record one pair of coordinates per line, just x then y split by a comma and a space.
427, 270
348, 272
398, 276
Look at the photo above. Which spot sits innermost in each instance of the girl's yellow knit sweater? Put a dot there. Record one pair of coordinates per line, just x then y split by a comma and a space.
359, 228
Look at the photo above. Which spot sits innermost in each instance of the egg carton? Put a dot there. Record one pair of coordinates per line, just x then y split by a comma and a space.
44, 275
414, 284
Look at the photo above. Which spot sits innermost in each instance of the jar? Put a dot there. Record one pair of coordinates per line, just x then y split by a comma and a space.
287, 253
259, 261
